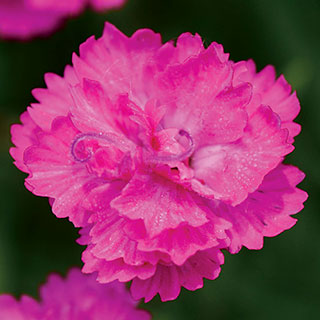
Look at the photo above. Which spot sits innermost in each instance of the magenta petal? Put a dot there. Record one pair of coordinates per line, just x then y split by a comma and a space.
90, 109
21, 22
26, 309
23, 19
184, 241
119, 62
160, 204
106, 4
23, 136
267, 211
232, 171
188, 46
54, 101
110, 241
54, 174
78, 297
109, 271
168, 280
269, 91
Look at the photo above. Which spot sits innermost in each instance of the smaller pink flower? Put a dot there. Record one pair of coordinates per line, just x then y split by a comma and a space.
78, 297
22, 19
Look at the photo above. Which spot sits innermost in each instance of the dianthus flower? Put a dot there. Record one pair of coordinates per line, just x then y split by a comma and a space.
78, 297
22, 19
163, 154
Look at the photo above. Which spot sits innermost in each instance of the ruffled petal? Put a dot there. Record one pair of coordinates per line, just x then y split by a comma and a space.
184, 241
55, 174
109, 271
234, 170
200, 99
267, 211
268, 90
23, 136
160, 203
168, 280
118, 62
110, 241
55, 100
188, 46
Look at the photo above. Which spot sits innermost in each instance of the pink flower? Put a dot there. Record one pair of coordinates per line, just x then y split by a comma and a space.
163, 154
77, 297
22, 19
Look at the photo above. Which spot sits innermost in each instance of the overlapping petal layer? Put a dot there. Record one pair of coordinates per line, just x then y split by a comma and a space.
164, 154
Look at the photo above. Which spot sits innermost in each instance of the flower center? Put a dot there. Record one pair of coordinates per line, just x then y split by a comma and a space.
188, 145
104, 154
110, 156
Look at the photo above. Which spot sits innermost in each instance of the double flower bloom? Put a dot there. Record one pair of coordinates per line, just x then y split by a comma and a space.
163, 155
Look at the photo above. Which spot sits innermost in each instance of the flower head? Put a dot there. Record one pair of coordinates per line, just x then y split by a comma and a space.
163, 154
78, 297
22, 19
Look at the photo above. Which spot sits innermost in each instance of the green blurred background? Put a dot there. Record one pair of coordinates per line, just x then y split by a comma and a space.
281, 281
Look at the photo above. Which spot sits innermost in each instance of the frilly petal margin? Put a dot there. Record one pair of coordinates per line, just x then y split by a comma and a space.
175, 205
234, 170
168, 280
268, 90
117, 269
56, 94
267, 211
23, 135
52, 175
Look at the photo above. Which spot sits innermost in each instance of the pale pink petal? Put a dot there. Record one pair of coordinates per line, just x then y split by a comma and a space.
174, 204
168, 280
